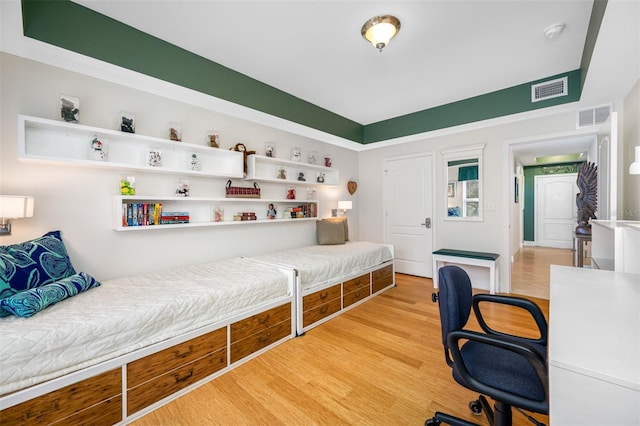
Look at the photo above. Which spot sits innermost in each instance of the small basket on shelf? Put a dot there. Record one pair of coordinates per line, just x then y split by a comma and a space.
241, 192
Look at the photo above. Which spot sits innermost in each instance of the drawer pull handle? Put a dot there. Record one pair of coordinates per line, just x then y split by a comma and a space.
265, 320
184, 354
324, 295
53, 406
357, 294
182, 379
324, 309
264, 339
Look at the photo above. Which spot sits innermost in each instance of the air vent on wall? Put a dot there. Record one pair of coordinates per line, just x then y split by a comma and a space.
549, 89
593, 116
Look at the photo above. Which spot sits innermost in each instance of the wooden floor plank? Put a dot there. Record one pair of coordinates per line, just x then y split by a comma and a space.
380, 363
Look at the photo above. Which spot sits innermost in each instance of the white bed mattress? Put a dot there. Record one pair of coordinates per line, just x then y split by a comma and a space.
127, 314
324, 264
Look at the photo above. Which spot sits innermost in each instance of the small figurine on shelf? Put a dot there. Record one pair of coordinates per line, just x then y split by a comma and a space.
271, 212
296, 154
269, 149
320, 178
128, 185
313, 157
182, 189
282, 173
291, 193
98, 149
311, 193
327, 161
69, 108
218, 214
301, 177
127, 122
243, 149
194, 163
213, 139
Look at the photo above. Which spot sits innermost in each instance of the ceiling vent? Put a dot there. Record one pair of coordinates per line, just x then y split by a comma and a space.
593, 116
549, 89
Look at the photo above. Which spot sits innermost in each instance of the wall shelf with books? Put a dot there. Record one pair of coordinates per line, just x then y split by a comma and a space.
269, 169
138, 213
61, 143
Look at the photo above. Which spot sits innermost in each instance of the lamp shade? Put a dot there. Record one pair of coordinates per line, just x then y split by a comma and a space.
345, 205
16, 206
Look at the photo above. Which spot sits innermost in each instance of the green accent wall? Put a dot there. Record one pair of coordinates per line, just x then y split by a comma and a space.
76, 28
530, 172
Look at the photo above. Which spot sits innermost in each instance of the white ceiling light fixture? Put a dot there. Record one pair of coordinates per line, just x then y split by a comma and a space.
553, 31
380, 29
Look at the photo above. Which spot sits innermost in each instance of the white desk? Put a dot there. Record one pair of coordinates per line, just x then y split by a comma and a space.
594, 347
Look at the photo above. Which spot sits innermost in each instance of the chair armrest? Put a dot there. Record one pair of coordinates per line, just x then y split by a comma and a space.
533, 309
522, 349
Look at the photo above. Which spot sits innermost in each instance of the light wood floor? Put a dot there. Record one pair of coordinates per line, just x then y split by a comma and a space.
530, 270
380, 363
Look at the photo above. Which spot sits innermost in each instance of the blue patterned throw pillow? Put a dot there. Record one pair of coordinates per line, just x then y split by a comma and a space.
29, 302
33, 263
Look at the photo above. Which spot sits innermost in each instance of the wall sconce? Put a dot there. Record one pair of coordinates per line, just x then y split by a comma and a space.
634, 168
13, 207
343, 206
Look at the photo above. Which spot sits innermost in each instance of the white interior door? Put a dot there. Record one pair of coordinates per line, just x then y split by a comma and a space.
408, 207
556, 211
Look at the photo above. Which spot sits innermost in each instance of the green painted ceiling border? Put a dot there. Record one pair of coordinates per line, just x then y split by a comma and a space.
74, 27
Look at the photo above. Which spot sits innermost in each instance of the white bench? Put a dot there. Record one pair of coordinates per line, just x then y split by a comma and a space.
462, 257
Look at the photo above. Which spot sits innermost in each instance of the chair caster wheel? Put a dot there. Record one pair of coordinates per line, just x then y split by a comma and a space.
475, 407
434, 297
432, 422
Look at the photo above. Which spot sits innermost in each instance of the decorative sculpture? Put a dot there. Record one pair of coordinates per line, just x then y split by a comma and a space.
587, 198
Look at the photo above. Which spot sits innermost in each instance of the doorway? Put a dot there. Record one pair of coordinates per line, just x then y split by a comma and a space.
528, 268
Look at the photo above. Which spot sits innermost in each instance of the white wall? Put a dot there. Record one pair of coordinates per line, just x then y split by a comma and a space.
78, 201
488, 235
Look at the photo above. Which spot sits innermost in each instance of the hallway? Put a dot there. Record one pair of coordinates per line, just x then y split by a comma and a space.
530, 270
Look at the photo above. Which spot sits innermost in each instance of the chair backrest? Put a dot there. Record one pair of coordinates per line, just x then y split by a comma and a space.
454, 300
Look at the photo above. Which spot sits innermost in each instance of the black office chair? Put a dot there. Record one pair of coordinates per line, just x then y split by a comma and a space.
511, 370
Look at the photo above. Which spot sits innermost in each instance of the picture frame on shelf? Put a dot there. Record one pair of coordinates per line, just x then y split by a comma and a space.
69, 108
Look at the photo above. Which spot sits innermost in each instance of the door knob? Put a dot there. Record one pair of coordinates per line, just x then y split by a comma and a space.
427, 222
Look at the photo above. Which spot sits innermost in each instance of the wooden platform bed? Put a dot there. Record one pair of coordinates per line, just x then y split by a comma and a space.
199, 335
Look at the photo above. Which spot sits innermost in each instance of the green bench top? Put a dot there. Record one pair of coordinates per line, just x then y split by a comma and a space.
467, 254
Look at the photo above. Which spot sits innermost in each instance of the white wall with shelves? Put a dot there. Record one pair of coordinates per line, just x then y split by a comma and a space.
201, 210
267, 169
59, 142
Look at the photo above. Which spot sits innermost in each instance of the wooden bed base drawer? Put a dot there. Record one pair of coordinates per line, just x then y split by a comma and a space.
321, 297
108, 412
359, 294
382, 278
159, 363
255, 342
259, 322
355, 283
320, 312
70, 401
171, 382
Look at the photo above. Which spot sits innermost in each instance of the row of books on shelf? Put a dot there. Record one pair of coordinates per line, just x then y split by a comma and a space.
303, 211
147, 214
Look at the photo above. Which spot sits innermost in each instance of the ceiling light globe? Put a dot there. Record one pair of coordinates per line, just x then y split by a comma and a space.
380, 29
